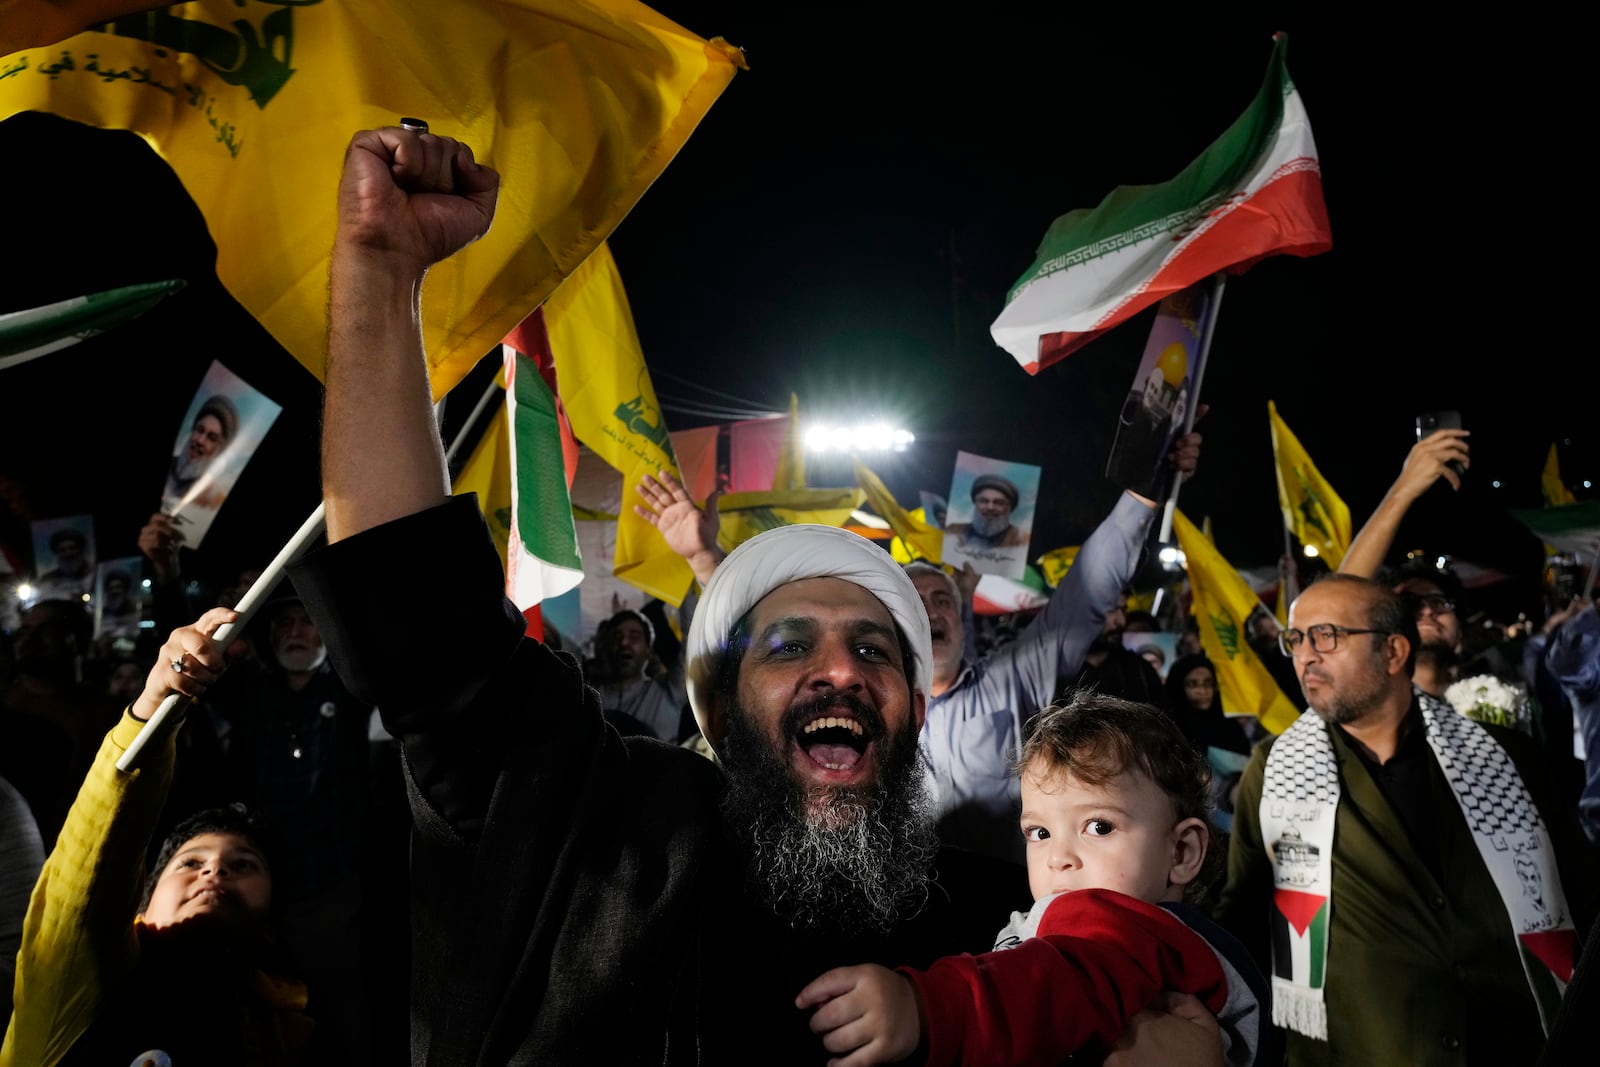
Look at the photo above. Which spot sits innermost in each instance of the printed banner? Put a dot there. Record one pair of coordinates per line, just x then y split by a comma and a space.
220, 433
990, 517
1164, 389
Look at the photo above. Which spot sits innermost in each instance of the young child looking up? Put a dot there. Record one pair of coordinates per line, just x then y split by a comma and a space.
1114, 815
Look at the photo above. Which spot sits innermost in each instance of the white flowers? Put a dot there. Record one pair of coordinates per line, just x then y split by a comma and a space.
1485, 698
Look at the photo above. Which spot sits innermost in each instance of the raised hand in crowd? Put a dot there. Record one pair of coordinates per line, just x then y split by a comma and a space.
689, 530
1429, 460
159, 541
192, 649
406, 201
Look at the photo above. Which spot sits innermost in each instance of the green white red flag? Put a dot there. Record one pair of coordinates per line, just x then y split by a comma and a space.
34, 332
1255, 192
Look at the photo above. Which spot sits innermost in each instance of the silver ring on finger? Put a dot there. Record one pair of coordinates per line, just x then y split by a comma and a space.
177, 665
414, 125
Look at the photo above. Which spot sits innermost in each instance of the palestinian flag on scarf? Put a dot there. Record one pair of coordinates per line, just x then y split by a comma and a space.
1256, 192
522, 472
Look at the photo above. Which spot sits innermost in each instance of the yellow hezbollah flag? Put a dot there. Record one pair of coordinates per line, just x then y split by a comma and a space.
612, 405
579, 104
791, 470
918, 540
1223, 604
1055, 565
1556, 492
746, 514
1312, 511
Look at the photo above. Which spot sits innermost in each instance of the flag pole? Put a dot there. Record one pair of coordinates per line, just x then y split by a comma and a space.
1218, 282
254, 597
296, 547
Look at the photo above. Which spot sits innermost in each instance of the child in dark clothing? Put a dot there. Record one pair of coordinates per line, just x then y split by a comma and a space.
1114, 814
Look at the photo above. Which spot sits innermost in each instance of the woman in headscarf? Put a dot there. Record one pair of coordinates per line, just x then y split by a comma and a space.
1195, 704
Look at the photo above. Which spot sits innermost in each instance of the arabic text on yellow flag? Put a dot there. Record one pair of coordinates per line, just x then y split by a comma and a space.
746, 514
922, 541
1222, 605
1312, 511
1556, 493
612, 405
579, 104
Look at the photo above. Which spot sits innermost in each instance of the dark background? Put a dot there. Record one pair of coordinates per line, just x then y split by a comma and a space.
845, 225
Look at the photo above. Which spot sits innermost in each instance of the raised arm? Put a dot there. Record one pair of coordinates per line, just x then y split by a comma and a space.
406, 201
1428, 461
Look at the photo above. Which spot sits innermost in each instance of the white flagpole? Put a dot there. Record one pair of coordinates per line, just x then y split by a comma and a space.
1218, 281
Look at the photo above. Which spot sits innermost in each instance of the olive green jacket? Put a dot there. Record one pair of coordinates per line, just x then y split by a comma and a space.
1418, 972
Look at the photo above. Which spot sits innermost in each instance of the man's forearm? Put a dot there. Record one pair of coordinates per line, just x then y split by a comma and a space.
381, 456
1371, 545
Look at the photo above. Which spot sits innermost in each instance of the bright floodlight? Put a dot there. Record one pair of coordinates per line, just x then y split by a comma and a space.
1311, 551
1171, 556
866, 437
24, 591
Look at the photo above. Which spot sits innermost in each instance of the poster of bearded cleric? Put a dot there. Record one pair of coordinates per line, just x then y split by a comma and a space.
990, 515
220, 432
1164, 389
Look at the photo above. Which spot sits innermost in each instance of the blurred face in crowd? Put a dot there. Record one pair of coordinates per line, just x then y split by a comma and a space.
213, 876
630, 644
1122, 835
46, 642
1438, 626
205, 438
69, 552
938, 595
1117, 618
1362, 671
296, 645
821, 754
1200, 688
126, 682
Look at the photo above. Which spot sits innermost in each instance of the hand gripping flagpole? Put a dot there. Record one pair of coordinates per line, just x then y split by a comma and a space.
296, 547
251, 602
1218, 281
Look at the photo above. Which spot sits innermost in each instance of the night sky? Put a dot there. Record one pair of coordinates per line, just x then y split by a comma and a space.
845, 225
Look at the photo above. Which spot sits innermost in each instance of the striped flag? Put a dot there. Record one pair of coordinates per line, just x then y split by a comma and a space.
1299, 932
1255, 192
34, 332
522, 472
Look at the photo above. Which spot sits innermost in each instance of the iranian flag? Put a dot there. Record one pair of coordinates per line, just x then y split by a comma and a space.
34, 332
1256, 192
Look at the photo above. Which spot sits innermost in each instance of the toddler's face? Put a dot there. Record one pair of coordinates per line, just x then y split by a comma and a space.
1121, 835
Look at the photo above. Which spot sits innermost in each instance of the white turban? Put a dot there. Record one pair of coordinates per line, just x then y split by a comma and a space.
791, 554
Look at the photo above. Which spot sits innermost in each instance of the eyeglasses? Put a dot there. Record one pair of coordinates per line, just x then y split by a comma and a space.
1436, 605
1324, 637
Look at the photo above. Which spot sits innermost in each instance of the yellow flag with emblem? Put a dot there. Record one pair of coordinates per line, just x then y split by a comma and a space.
746, 514
1223, 604
1556, 493
791, 470
1055, 565
612, 405
579, 104
1312, 511
917, 538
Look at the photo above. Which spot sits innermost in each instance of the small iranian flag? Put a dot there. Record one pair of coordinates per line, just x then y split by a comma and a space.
1256, 192
34, 332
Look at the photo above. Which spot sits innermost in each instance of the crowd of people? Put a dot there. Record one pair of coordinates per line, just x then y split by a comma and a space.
792, 835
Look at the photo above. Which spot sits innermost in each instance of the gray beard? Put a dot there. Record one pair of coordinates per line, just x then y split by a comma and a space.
185, 469
988, 528
850, 862
300, 660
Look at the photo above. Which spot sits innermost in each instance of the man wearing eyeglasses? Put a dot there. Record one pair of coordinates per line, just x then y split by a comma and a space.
1392, 861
